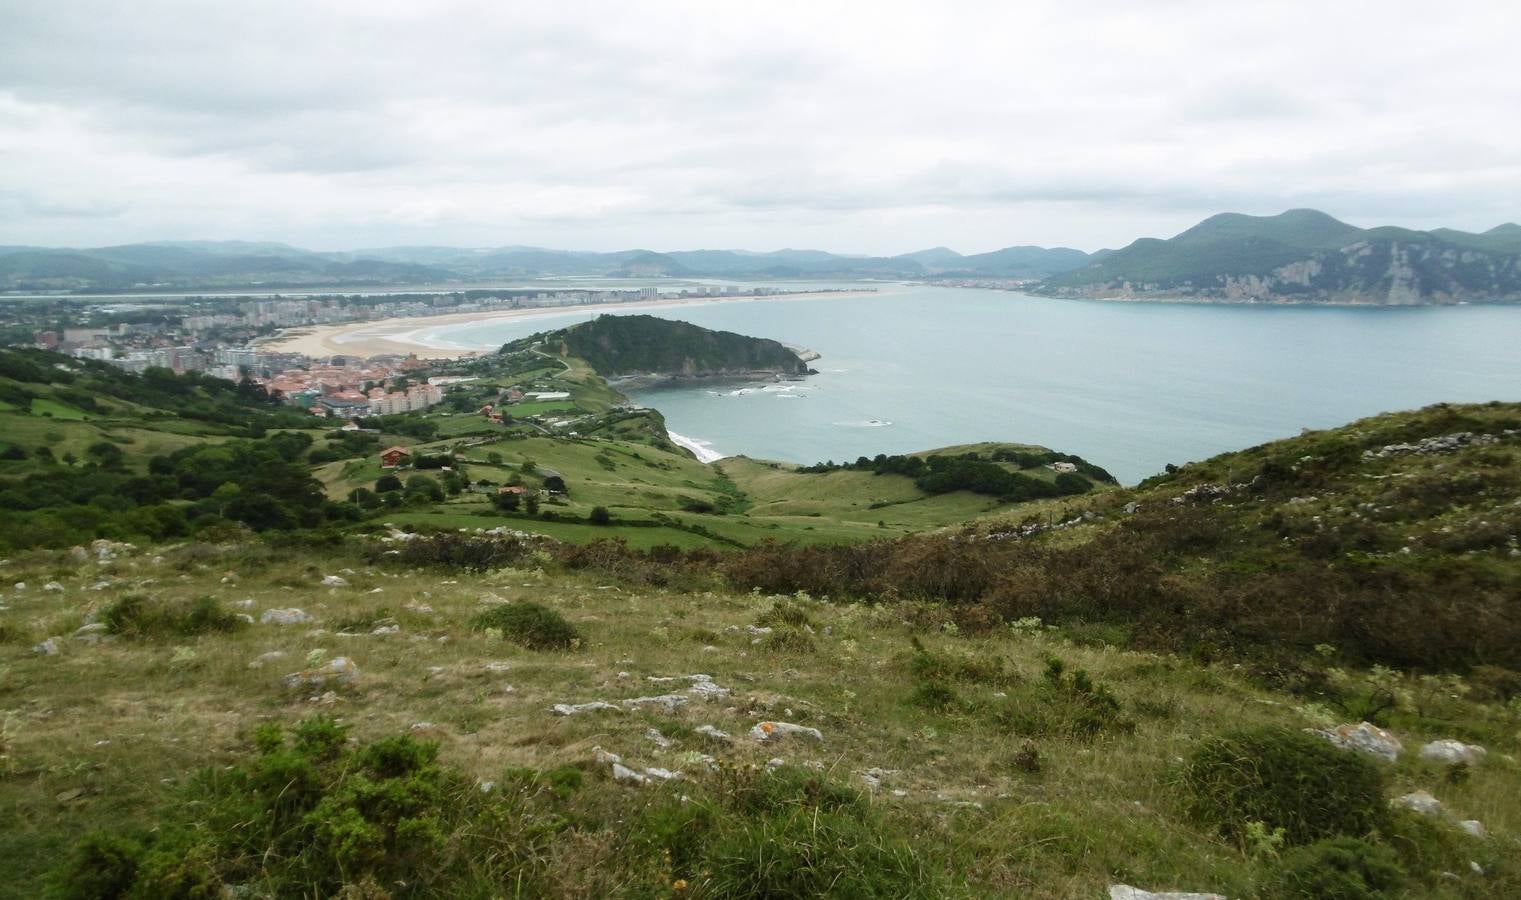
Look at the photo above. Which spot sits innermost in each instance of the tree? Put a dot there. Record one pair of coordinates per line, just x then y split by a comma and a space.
508, 502
532, 505
555, 484
387, 483
424, 486
600, 516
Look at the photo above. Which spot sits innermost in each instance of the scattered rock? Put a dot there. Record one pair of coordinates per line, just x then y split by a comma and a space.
708, 690
774, 763
1453, 753
338, 670
92, 633
1126, 892
1364, 737
1420, 802
661, 774
876, 775
386, 629
53, 587
259, 661
1473, 827
660, 740
290, 616
775, 731
336, 581
571, 709
19, 587
498, 666
626, 775
1446, 443
605, 758
48, 647
708, 731
669, 701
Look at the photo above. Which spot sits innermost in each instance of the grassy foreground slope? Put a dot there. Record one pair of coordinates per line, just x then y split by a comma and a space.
1027, 706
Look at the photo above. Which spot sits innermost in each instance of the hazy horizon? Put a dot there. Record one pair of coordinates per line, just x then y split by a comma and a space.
880, 131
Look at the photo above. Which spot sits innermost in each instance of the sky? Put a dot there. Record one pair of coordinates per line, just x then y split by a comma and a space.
859, 127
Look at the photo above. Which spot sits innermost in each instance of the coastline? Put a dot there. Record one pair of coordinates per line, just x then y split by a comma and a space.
399, 336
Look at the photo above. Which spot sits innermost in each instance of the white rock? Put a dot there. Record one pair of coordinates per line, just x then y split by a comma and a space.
259, 661
1453, 753
708, 690
876, 775
604, 758
498, 666
1364, 737
334, 581
1420, 802
48, 647
662, 774
775, 731
669, 701
386, 629
709, 731
1473, 827
338, 670
660, 740
91, 632
628, 776
774, 763
53, 587
290, 616
245, 618
1126, 892
571, 709
19, 586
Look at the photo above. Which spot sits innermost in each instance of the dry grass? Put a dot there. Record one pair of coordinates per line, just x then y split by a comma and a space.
99, 734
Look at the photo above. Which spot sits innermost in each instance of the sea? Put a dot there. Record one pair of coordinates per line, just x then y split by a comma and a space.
1130, 386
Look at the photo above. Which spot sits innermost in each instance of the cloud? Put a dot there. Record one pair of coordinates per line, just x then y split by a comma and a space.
673, 124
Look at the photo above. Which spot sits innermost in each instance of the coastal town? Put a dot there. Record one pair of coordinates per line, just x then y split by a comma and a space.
238, 338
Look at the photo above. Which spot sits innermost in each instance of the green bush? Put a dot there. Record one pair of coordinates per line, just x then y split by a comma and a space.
787, 612
529, 624
1343, 868
1062, 705
789, 640
138, 616
788, 833
308, 814
1283, 779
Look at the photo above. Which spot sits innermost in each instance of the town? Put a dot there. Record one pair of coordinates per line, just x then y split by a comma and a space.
229, 337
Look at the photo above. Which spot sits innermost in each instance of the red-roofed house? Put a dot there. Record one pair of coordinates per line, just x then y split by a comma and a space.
392, 457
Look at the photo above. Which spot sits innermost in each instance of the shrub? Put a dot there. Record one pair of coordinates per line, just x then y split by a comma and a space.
1283, 779
138, 616
1064, 705
600, 516
785, 611
309, 816
1343, 868
530, 624
789, 640
788, 833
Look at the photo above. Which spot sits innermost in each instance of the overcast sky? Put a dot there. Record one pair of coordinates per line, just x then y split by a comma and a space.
855, 127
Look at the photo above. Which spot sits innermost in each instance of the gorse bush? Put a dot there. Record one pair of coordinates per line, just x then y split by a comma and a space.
1342, 868
787, 833
1064, 705
310, 814
529, 624
1283, 779
136, 615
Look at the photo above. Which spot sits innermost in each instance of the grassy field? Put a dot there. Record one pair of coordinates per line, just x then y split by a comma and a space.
104, 735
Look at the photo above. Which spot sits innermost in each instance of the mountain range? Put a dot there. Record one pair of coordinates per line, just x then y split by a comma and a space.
1301, 255
231, 264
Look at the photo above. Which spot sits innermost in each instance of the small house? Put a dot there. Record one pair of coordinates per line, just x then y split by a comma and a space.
1063, 468
512, 489
391, 457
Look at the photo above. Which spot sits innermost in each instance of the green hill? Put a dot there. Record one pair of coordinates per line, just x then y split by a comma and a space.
622, 346
1305, 256
1132, 688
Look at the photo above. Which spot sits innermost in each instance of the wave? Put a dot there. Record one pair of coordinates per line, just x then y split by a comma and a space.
865, 423
701, 449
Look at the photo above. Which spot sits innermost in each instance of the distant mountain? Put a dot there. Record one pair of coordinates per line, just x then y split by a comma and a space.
230, 264
1305, 256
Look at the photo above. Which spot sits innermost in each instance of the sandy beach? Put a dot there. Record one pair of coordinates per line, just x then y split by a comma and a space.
398, 336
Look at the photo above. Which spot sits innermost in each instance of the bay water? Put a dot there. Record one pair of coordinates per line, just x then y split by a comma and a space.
1129, 386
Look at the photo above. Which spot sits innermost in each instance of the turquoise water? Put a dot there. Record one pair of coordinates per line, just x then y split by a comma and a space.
1129, 386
